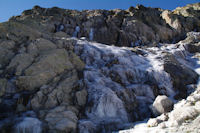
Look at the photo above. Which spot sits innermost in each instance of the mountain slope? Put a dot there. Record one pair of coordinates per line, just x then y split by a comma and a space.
63, 70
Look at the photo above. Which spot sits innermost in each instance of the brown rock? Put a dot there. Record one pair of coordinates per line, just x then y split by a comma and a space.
47, 66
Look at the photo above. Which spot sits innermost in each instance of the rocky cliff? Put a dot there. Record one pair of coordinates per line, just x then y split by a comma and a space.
67, 71
131, 27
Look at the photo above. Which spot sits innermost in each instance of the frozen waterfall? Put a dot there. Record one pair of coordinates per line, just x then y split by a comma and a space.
29, 125
77, 30
91, 35
117, 78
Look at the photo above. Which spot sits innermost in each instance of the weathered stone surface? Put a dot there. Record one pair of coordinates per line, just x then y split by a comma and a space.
162, 104
87, 126
179, 73
193, 48
61, 34
75, 60
192, 42
40, 45
5, 56
47, 65
19, 63
118, 27
6, 86
49, 97
61, 120
18, 32
3, 85
7, 44
81, 97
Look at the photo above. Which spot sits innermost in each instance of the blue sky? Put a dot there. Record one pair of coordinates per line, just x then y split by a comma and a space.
10, 8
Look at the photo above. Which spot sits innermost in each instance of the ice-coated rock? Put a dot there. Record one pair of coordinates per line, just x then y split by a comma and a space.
61, 120
29, 125
180, 115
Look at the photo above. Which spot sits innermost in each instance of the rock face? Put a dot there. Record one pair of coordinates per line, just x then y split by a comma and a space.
179, 73
52, 81
132, 27
38, 75
47, 66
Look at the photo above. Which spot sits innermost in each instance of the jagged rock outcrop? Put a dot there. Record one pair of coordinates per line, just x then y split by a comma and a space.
39, 75
132, 27
55, 78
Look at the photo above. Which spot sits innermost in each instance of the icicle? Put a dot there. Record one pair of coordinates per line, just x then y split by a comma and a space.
77, 30
29, 125
61, 27
137, 43
132, 45
91, 35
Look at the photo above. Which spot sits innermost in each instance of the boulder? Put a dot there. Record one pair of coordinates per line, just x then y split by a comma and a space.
162, 104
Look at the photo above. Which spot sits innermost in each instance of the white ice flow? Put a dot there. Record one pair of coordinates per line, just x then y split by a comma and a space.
117, 78
113, 73
29, 125
77, 30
